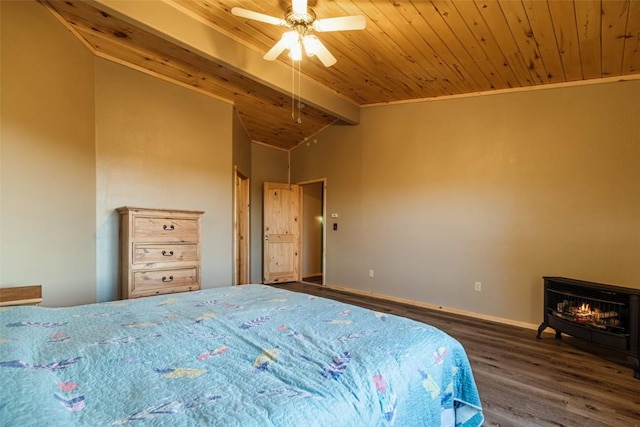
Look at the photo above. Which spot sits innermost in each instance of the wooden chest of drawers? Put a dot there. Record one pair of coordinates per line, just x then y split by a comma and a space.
21, 295
159, 251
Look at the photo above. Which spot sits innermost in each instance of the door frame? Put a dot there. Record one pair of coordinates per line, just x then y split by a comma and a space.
241, 228
324, 225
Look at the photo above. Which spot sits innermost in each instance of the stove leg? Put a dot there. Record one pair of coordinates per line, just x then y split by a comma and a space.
541, 328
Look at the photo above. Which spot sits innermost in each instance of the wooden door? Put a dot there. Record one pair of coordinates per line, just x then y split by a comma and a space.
282, 225
241, 232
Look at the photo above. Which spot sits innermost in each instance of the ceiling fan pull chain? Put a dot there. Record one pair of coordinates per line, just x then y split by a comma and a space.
299, 92
293, 89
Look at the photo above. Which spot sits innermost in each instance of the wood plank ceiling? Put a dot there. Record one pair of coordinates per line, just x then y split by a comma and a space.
410, 50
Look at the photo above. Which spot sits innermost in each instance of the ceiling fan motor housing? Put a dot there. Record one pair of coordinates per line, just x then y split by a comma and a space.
299, 19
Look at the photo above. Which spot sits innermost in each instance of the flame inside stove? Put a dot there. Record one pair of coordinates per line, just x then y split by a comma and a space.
584, 309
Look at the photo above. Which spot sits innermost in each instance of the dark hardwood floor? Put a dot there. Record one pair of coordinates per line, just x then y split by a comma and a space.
316, 280
524, 381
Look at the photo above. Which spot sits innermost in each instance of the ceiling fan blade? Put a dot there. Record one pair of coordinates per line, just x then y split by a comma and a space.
257, 16
341, 23
285, 42
324, 55
299, 7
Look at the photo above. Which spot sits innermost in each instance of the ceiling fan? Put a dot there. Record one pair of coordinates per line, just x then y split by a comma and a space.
302, 22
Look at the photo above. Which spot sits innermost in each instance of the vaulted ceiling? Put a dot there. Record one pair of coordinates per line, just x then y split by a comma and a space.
410, 49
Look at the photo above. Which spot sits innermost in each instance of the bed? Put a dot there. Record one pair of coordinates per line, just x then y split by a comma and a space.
249, 355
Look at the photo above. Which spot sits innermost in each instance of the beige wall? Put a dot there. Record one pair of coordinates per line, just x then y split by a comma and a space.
267, 164
47, 156
432, 196
500, 189
1, 48
337, 156
161, 145
82, 136
241, 146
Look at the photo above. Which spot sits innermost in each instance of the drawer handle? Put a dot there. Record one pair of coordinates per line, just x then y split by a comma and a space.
167, 279
165, 253
169, 227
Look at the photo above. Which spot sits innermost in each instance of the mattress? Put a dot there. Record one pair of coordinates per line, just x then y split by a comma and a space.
249, 355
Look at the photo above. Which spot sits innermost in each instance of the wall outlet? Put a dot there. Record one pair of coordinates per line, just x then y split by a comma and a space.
477, 286
370, 273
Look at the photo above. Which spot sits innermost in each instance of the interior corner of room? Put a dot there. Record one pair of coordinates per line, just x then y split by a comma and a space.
431, 198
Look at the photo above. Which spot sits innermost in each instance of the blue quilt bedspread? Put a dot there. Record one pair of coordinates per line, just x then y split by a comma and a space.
247, 355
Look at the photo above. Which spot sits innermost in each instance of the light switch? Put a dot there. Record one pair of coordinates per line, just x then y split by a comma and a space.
335, 226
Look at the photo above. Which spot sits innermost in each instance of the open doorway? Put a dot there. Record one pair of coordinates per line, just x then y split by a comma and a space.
313, 231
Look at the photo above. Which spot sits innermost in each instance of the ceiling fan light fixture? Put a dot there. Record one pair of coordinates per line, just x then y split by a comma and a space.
291, 38
301, 22
295, 52
311, 45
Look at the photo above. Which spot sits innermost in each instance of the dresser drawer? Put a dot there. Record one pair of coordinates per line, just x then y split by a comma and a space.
167, 229
165, 281
144, 253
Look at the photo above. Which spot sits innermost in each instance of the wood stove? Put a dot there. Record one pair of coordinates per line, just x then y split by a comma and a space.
599, 313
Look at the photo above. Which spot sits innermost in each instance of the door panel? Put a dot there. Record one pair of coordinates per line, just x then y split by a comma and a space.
241, 232
282, 225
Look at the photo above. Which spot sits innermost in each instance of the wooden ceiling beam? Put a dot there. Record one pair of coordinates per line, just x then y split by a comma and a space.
170, 23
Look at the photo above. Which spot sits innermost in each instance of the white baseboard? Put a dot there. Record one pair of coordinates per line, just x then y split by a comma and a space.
437, 307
